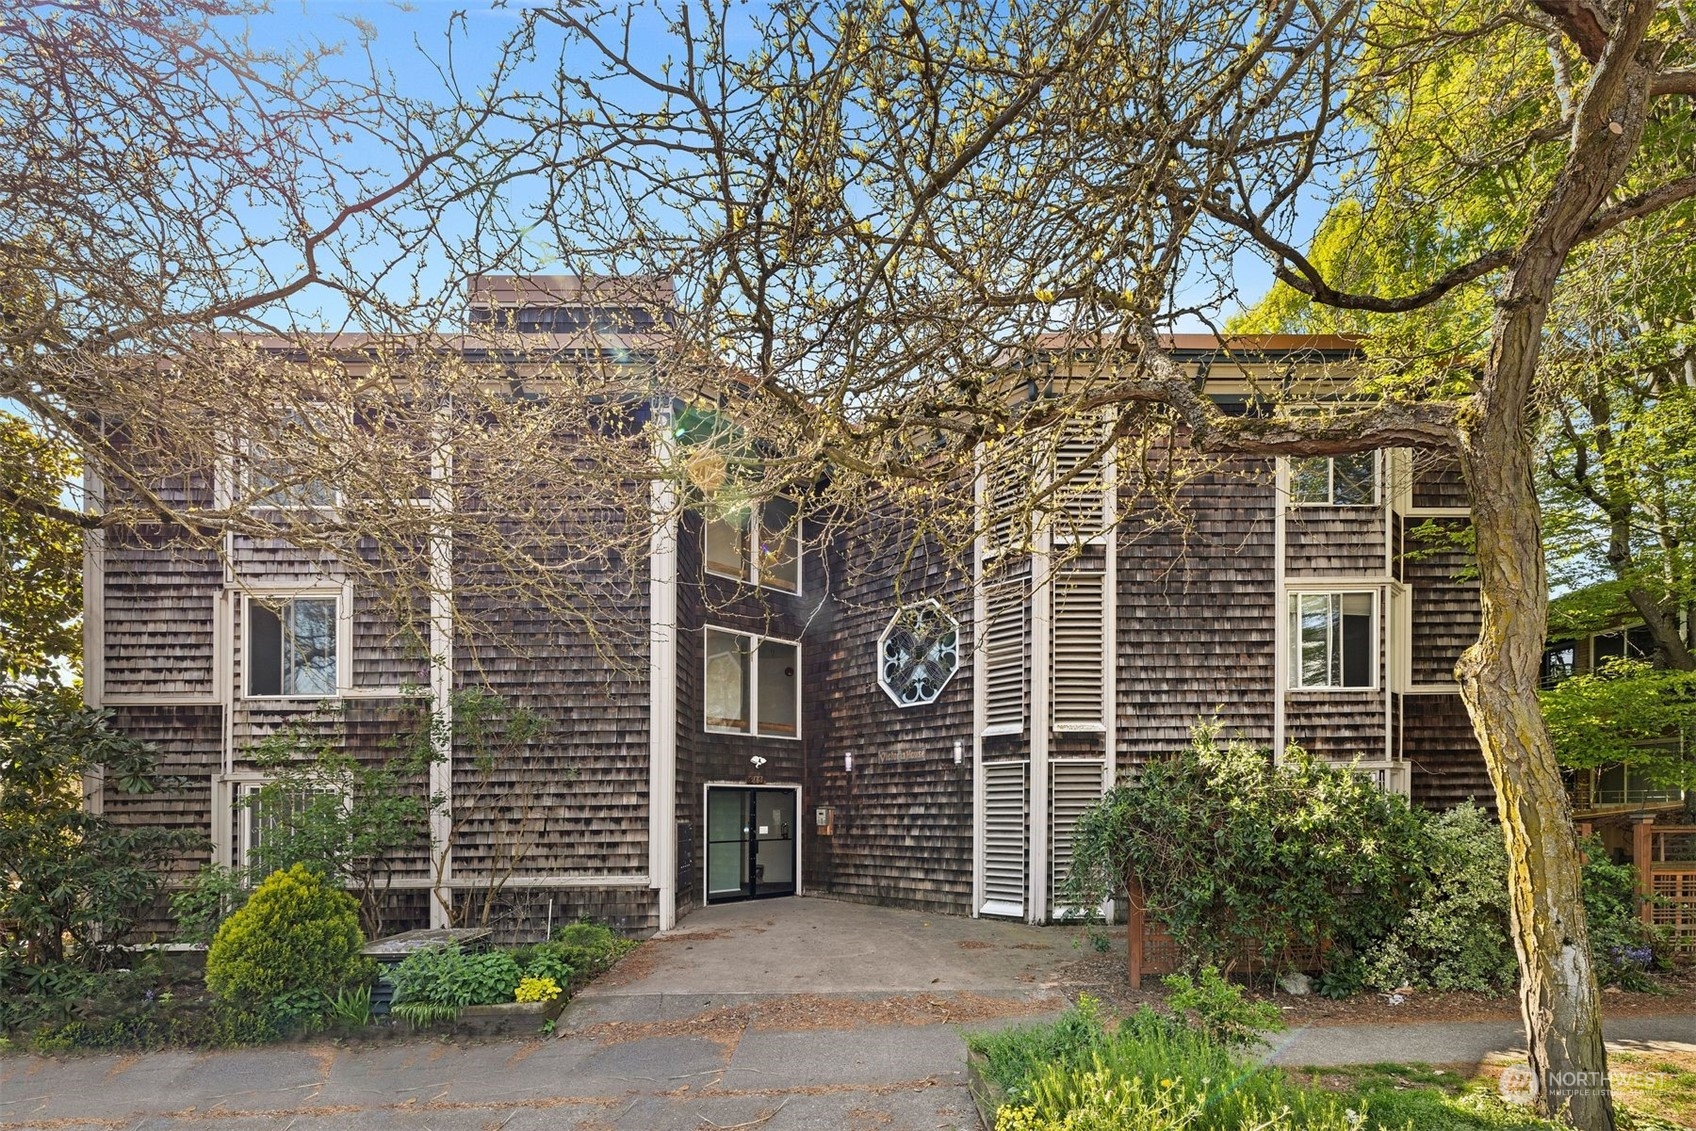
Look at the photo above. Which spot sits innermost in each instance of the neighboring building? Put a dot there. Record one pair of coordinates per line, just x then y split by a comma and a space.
929, 730
1609, 795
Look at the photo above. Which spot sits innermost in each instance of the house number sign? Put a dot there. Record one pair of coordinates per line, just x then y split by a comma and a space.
918, 653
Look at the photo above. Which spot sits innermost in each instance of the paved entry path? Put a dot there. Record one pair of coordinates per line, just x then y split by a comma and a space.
775, 1014
778, 1015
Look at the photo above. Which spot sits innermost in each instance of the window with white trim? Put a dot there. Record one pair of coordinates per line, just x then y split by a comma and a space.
758, 543
1335, 481
752, 684
1333, 639
293, 646
273, 480
265, 812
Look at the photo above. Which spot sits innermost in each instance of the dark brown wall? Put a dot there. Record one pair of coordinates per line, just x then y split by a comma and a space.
1445, 612
1346, 541
903, 817
189, 741
1447, 766
1196, 608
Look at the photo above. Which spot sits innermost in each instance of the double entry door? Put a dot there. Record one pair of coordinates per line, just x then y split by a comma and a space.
751, 838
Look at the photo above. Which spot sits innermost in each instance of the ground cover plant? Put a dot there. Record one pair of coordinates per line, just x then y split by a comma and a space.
1163, 1071
434, 985
1655, 1095
1152, 1070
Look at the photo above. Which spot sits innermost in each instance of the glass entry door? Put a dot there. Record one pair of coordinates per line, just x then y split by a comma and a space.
750, 842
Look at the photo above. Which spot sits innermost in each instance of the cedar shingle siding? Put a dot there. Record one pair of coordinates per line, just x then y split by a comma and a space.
1194, 612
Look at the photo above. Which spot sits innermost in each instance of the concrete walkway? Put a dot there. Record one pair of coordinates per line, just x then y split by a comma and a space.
781, 1015
1456, 1042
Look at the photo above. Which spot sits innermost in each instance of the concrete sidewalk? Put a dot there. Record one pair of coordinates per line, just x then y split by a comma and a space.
782, 1015
1455, 1042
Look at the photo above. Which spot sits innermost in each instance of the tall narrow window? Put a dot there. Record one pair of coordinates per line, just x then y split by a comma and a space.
1331, 640
727, 544
291, 647
1338, 481
780, 688
727, 680
779, 563
759, 543
753, 684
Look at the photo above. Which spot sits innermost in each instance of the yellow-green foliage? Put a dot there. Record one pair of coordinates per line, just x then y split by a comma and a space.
295, 934
536, 989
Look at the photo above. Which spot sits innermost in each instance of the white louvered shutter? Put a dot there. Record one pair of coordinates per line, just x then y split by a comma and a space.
1074, 787
1005, 839
1004, 651
1079, 505
1004, 498
1079, 669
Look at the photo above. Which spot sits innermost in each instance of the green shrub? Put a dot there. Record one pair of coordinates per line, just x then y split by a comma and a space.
295, 943
1239, 856
1154, 1073
1622, 946
435, 984
1455, 934
590, 948
1218, 1010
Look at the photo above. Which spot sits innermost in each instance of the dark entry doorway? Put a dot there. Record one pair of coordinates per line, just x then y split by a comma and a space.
750, 842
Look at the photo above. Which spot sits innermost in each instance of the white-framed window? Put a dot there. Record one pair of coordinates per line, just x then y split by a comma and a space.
270, 476
293, 645
1335, 481
759, 543
752, 684
263, 813
1333, 639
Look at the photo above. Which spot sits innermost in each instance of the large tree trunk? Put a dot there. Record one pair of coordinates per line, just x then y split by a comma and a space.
1499, 674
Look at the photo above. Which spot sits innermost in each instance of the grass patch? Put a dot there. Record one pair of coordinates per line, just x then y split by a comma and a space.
1652, 1092
1158, 1073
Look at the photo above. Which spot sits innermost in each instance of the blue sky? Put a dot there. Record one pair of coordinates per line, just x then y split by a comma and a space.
411, 40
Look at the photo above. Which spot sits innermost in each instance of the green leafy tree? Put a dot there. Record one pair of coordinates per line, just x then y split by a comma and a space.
72, 883
40, 556
1629, 712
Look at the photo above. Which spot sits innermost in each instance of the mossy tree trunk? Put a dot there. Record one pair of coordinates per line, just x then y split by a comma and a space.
1499, 674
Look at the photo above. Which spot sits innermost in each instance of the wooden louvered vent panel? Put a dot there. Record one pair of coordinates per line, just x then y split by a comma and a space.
1074, 787
1005, 841
1079, 505
1005, 523
1005, 648
1079, 675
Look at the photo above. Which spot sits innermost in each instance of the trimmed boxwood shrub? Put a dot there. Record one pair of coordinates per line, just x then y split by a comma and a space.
295, 943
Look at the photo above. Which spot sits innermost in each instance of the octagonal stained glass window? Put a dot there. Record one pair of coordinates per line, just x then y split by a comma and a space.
918, 653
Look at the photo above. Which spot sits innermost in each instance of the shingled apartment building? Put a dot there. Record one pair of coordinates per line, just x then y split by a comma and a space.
928, 734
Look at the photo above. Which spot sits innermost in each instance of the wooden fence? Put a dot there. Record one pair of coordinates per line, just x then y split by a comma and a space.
1665, 857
